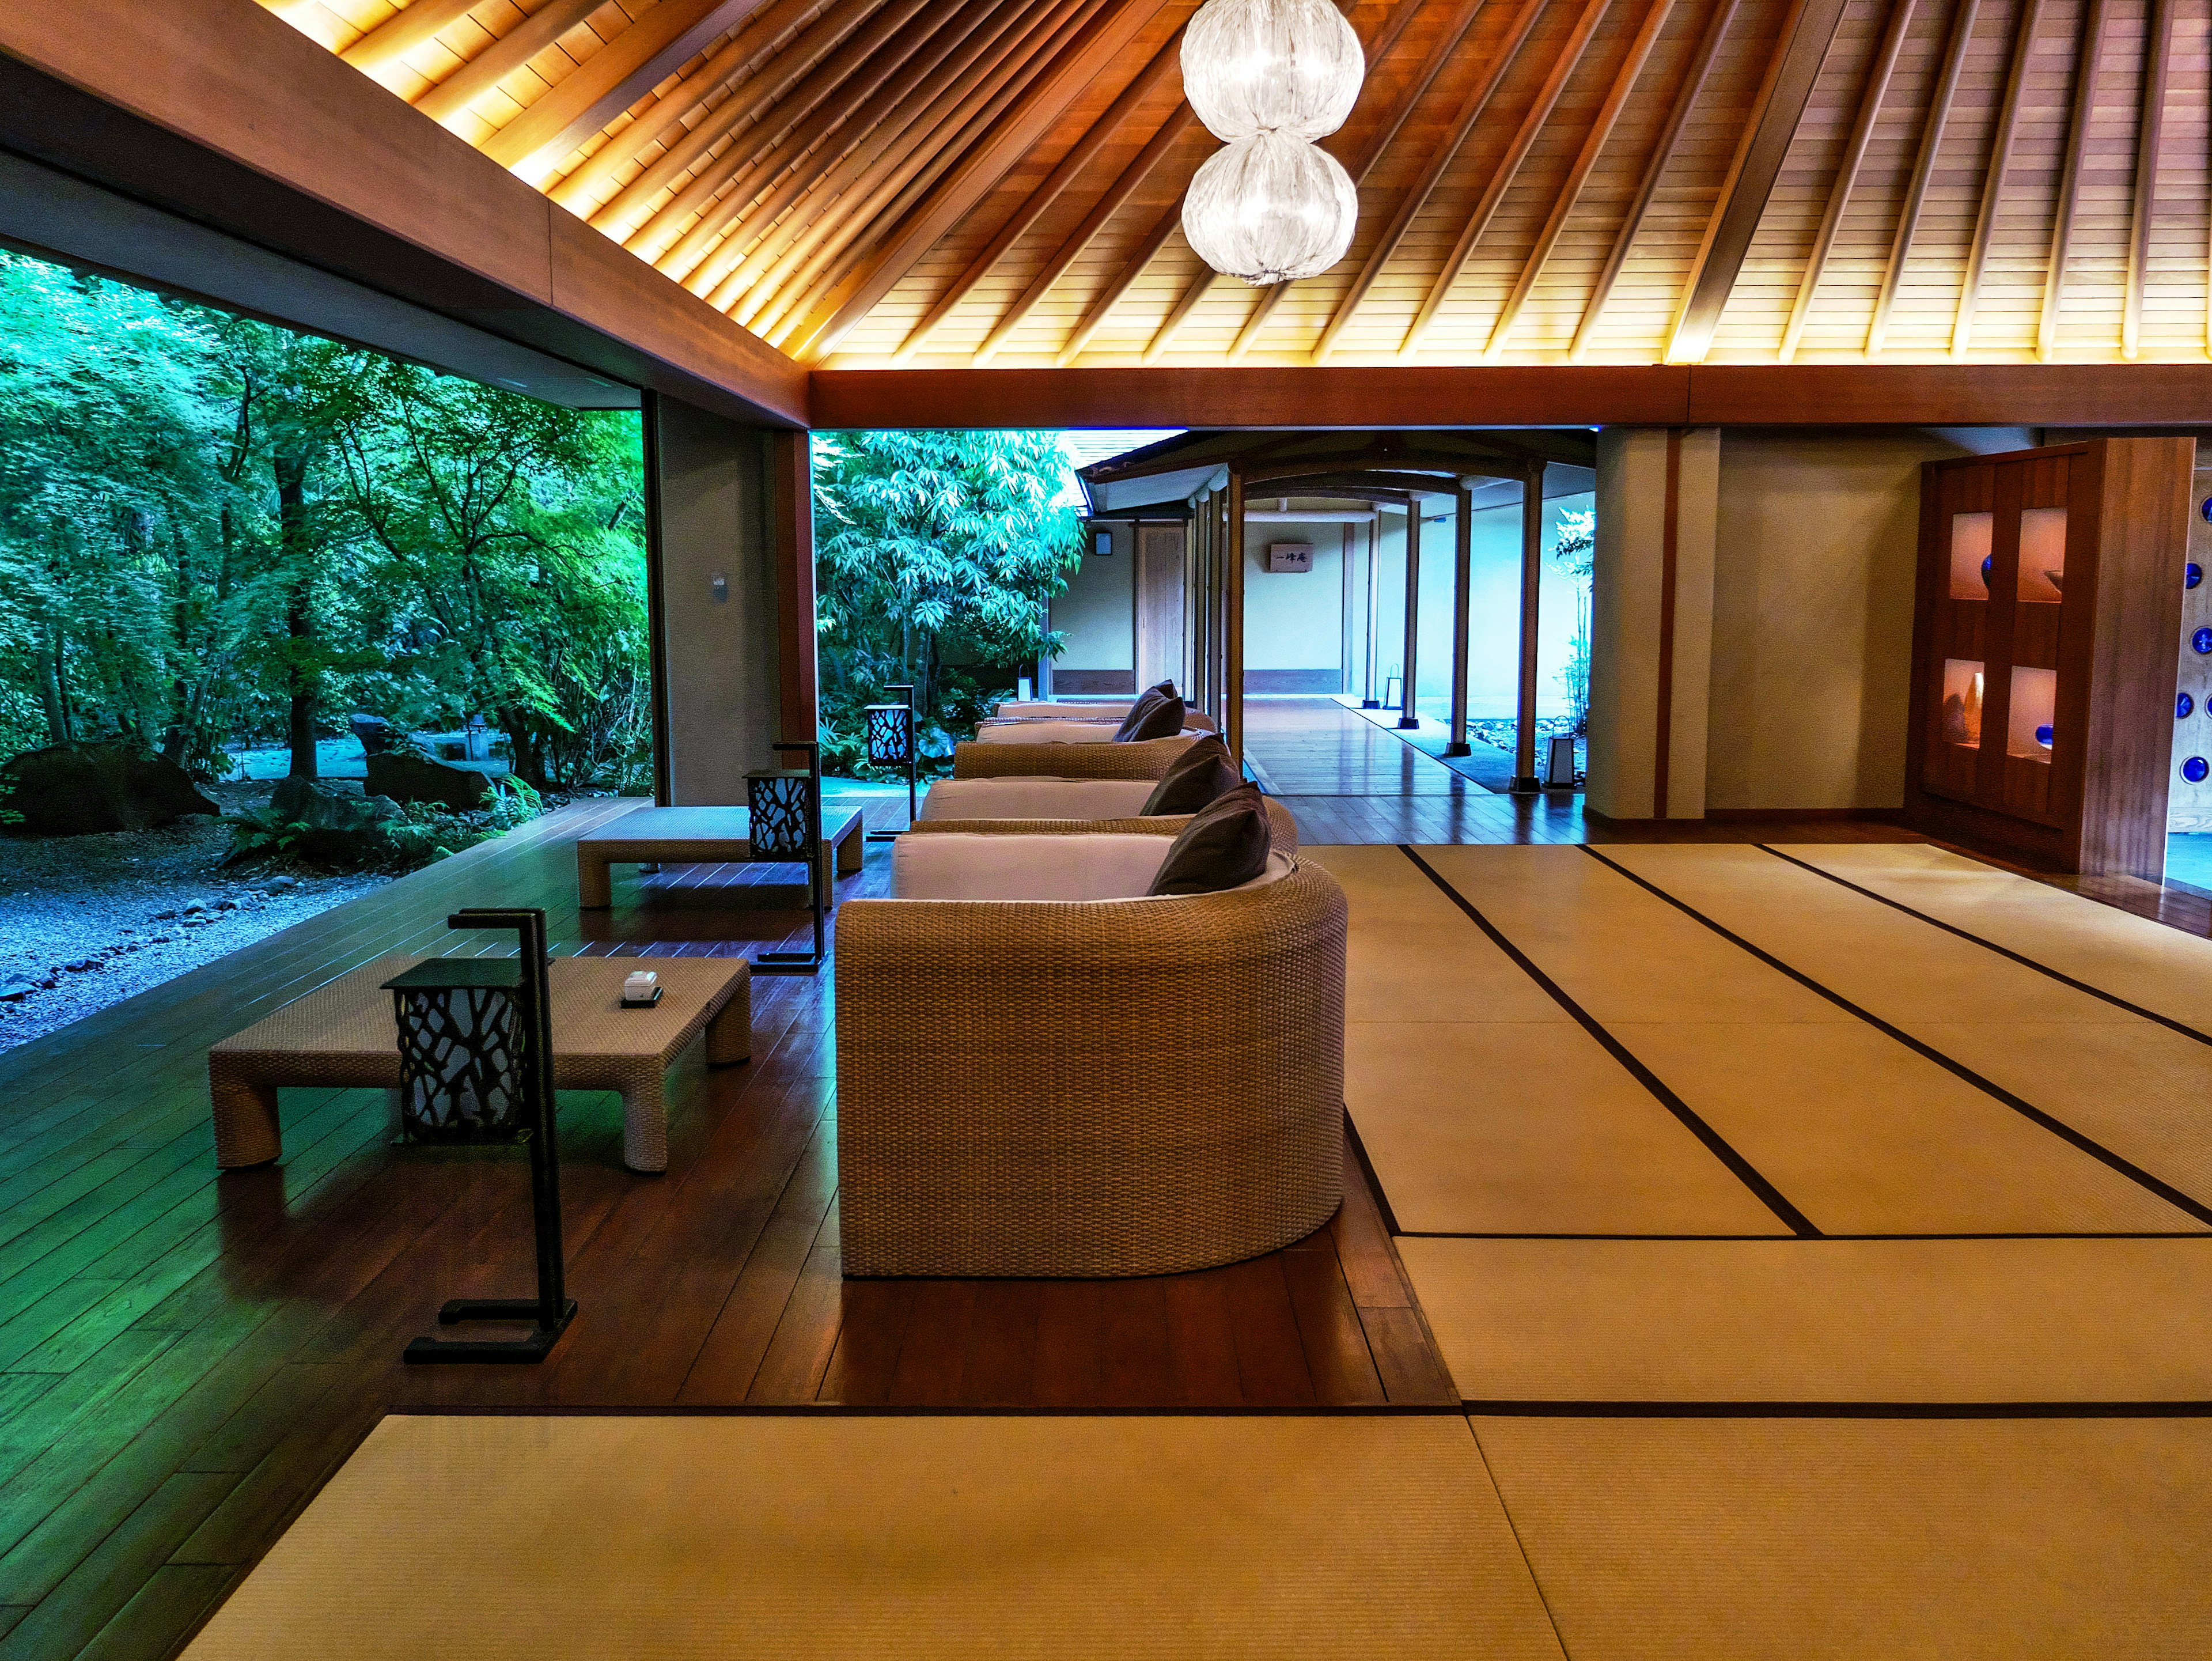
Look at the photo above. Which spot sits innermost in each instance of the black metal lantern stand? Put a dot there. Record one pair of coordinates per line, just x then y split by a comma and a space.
784, 811
893, 742
490, 1047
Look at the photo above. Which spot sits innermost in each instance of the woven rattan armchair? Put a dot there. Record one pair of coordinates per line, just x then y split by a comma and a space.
1149, 759
1283, 828
1088, 1087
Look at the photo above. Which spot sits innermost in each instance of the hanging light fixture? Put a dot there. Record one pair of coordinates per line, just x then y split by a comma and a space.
1268, 77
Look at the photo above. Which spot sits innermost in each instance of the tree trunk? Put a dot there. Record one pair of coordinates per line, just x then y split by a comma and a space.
290, 467
50, 688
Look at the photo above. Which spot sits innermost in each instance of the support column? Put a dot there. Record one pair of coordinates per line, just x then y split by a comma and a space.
1462, 603
1532, 574
1407, 707
730, 581
1234, 595
1651, 623
1370, 697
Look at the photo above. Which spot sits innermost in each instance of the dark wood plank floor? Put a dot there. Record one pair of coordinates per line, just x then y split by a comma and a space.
185, 1356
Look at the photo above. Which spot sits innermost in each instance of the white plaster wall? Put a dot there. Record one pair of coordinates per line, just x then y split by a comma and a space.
1294, 620
1097, 610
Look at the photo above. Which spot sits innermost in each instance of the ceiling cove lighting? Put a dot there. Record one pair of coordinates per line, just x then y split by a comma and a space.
1268, 77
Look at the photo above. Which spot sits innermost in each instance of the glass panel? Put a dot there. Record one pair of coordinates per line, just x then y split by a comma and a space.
1962, 702
2042, 554
1970, 555
2028, 729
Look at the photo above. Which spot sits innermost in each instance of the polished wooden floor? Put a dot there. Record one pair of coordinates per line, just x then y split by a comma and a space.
185, 1356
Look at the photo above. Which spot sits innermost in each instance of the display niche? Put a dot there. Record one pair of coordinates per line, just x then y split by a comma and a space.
2049, 596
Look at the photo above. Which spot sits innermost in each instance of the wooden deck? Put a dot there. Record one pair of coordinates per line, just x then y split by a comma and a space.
185, 1355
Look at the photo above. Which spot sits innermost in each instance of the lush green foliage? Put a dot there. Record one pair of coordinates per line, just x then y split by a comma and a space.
212, 530
935, 555
1574, 552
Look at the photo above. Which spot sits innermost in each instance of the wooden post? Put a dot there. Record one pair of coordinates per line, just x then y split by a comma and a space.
1343, 611
1233, 594
1407, 714
791, 473
1532, 571
1463, 602
1371, 693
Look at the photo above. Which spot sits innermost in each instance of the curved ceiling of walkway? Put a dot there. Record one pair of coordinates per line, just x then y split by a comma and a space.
945, 183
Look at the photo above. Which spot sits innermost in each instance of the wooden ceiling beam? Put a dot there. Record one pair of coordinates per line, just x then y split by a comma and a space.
973, 170
402, 31
1394, 25
1871, 95
1507, 168
1362, 161
761, 234
1692, 82
1923, 167
1616, 100
1117, 285
2150, 132
2088, 57
1985, 219
1410, 204
533, 35
1079, 155
1799, 51
999, 72
667, 37
679, 235
786, 26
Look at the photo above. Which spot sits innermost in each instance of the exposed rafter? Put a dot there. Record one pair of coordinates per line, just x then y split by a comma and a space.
1791, 73
2086, 59
1502, 176
2150, 128
503, 56
403, 31
1616, 100
1410, 204
1692, 83
1985, 219
1923, 167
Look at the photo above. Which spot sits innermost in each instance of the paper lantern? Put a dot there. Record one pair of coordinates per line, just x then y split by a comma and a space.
1270, 209
1287, 66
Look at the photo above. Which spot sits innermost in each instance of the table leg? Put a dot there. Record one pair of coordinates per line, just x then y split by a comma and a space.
595, 888
247, 1130
730, 1033
645, 1121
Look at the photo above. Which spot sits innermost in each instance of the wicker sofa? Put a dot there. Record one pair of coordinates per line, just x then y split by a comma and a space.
1037, 806
1111, 711
1149, 758
1063, 1080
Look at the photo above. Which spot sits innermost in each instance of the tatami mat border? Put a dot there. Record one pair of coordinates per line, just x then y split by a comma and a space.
1718, 1146
1965, 1410
2005, 952
2057, 1127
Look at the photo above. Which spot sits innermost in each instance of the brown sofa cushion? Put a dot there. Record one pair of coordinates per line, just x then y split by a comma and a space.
1202, 775
1225, 844
1163, 721
1147, 701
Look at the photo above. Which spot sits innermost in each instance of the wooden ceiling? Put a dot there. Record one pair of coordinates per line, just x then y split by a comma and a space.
948, 183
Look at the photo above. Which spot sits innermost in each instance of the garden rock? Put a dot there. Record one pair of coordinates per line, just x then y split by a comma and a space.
76, 789
377, 735
322, 806
15, 991
417, 778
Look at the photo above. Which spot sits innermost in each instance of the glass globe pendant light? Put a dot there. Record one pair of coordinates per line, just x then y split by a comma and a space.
1270, 76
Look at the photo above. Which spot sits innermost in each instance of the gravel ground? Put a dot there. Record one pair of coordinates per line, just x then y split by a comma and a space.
86, 921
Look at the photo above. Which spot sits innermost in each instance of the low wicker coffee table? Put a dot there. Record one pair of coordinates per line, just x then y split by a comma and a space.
694, 835
345, 1034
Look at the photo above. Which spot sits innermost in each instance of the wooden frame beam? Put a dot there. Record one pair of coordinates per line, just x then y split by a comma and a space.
1654, 168
1616, 99
1923, 168
402, 31
1410, 204
1508, 166
1104, 34
1079, 155
1985, 218
2088, 59
2150, 132
1871, 95
613, 79
1799, 51
533, 35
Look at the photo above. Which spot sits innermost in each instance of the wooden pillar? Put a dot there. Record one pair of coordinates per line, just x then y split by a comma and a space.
1233, 595
1344, 611
1532, 572
1463, 602
1406, 717
790, 469
1371, 689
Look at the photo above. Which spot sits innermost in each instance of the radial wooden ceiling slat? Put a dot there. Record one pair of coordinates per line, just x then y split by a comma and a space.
976, 181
